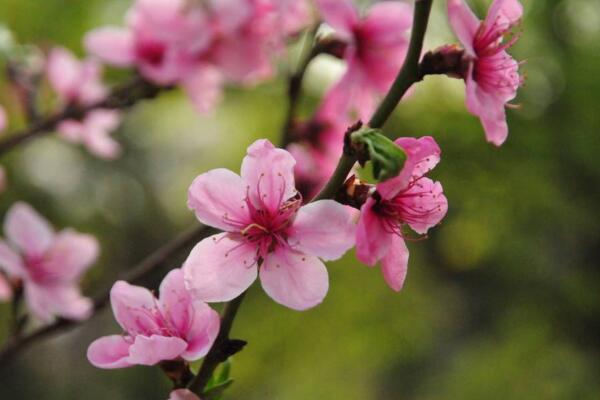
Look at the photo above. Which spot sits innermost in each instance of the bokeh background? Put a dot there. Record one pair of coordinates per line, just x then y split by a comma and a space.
502, 301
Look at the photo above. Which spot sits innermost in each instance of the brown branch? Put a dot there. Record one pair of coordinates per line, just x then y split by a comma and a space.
121, 97
137, 273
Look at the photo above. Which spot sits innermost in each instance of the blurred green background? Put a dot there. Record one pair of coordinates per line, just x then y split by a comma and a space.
502, 302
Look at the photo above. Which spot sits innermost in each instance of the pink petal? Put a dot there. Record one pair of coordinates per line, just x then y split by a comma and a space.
11, 262
204, 88
71, 254
294, 15
109, 352
64, 73
422, 155
182, 394
490, 110
504, 13
394, 264
48, 301
220, 268
112, 45
28, 230
269, 174
387, 22
202, 332
71, 130
464, 23
154, 349
175, 301
373, 238
339, 14
243, 59
217, 198
427, 197
294, 280
132, 306
310, 235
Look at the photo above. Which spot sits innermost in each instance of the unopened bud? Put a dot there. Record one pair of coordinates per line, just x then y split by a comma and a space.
371, 145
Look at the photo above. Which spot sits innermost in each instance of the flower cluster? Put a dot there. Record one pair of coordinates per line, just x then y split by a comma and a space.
201, 45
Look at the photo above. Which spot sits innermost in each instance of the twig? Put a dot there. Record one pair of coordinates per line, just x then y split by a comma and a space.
141, 270
121, 97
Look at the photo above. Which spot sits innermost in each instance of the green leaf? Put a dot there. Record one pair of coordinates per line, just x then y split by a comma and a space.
216, 391
386, 157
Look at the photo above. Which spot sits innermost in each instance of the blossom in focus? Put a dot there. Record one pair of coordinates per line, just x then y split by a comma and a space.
267, 232
376, 48
174, 326
183, 394
200, 45
78, 83
408, 199
492, 78
50, 264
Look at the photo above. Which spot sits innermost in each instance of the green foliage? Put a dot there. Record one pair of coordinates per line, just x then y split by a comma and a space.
386, 157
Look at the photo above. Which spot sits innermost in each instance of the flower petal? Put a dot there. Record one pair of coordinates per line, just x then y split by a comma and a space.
5, 289
28, 230
182, 394
387, 22
217, 198
490, 110
48, 301
220, 268
64, 73
112, 45
269, 174
427, 205
372, 238
204, 87
132, 307
395, 263
175, 301
3, 119
154, 349
294, 280
339, 14
70, 255
464, 23
503, 13
422, 155
109, 352
203, 331
324, 229
11, 262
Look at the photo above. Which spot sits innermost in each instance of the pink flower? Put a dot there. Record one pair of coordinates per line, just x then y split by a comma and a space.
183, 394
172, 327
376, 48
267, 232
76, 82
493, 76
410, 198
49, 264
94, 132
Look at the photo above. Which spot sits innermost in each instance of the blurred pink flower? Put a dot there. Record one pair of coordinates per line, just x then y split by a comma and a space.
49, 264
75, 82
6, 292
410, 198
183, 394
94, 132
174, 326
493, 76
3, 119
267, 232
376, 48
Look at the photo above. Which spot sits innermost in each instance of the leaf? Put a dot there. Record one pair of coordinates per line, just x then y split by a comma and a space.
386, 157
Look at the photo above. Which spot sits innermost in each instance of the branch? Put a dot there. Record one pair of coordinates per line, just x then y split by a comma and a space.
137, 273
121, 97
409, 74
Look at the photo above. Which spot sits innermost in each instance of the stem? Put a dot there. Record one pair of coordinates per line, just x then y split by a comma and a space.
121, 97
409, 74
295, 85
152, 262
221, 349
